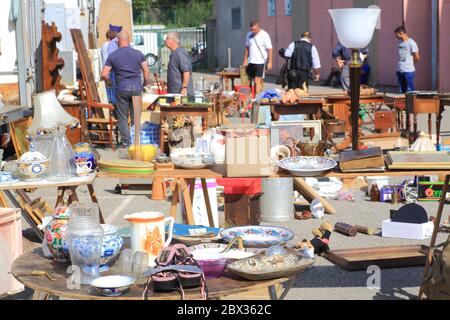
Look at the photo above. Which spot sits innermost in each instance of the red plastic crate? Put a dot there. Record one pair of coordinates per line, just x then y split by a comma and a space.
238, 88
241, 186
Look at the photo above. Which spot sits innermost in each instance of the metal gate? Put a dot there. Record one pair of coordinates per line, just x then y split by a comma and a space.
150, 40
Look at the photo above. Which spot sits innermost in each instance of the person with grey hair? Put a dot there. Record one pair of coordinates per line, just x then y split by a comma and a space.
179, 69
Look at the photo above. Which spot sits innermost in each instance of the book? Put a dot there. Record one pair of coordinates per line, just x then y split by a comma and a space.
418, 160
362, 159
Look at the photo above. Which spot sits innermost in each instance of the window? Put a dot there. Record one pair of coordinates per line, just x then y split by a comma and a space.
236, 23
288, 7
271, 8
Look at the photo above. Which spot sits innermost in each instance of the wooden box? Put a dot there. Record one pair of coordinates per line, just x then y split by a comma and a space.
242, 210
385, 120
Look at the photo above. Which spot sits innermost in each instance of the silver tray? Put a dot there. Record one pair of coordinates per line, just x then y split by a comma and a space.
307, 166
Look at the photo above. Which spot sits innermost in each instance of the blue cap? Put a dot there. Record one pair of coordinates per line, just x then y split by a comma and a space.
116, 29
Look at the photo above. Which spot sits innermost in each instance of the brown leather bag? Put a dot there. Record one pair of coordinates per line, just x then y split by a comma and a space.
437, 284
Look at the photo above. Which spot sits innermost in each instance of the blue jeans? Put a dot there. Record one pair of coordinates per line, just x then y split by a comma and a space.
406, 81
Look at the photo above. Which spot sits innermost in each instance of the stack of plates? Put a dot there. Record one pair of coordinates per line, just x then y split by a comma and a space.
126, 166
192, 161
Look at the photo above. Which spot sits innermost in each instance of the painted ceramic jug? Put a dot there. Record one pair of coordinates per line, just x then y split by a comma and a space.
148, 233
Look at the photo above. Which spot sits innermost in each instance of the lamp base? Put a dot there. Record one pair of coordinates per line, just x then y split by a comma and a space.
355, 89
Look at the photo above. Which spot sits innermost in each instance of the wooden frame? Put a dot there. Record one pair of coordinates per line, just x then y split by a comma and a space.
315, 125
18, 131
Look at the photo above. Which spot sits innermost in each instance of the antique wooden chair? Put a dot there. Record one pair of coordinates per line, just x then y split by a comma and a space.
101, 126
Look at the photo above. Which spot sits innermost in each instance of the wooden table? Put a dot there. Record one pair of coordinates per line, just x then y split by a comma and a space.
220, 288
311, 107
181, 110
341, 105
226, 77
70, 186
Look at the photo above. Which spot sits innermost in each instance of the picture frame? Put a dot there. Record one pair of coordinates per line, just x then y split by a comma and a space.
19, 133
280, 130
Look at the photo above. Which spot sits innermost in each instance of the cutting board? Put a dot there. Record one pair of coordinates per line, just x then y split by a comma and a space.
384, 257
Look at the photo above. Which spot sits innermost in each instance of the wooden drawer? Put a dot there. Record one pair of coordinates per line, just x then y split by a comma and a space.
417, 105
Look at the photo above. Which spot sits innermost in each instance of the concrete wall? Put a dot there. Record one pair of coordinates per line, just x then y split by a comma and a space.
313, 15
444, 45
279, 28
234, 39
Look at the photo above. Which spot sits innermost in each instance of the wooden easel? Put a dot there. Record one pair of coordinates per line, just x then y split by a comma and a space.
436, 232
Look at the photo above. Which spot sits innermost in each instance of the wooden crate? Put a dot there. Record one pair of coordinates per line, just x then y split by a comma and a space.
242, 210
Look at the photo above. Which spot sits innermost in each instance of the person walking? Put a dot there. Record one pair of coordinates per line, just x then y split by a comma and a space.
258, 54
343, 56
304, 58
127, 64
109, 47
179, 69
408, 56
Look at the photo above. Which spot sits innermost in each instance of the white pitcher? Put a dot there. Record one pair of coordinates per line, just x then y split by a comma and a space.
148, 233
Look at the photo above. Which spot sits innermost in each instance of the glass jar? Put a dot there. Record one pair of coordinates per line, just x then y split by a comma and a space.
43, 143
62, 162
84, 239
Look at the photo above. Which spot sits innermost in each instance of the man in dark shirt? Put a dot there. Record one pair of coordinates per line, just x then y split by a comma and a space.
343, 55
127, 63
179, 69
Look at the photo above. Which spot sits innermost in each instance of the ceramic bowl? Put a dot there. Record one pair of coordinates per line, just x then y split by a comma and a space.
112, 243
113, 286
32, 165
307, 166
258, 236
193, 161
212, 264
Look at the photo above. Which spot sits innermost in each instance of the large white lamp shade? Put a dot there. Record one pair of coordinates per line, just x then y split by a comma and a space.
49, 115
355, 27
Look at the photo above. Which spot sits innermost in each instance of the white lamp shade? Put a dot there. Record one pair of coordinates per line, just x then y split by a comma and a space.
49, 115
355, 27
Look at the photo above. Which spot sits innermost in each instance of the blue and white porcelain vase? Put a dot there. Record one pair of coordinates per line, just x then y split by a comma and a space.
85, 240
112, 243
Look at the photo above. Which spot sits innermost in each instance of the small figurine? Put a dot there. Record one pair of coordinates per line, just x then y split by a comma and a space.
320, 244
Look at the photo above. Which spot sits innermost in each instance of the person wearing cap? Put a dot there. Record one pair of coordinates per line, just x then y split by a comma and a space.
304, 58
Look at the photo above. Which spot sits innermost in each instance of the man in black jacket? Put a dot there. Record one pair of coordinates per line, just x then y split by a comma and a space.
304, 58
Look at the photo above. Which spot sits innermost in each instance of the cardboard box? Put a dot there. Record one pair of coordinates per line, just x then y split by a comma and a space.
247, 152
407, 230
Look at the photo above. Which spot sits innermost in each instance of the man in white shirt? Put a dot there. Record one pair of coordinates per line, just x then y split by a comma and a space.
304, 57
258, 54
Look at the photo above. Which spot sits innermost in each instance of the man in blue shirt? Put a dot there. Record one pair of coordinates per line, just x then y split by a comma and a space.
127, 64
343, 55
408, 56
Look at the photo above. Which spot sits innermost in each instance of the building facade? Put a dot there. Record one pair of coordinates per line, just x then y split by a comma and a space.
425, 20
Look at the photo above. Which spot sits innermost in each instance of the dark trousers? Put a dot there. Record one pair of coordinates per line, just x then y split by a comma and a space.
123, 110
302, 77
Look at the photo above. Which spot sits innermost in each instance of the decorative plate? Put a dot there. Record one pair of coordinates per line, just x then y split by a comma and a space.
192, 161
307, 166
258, 236
266, 268
214, 248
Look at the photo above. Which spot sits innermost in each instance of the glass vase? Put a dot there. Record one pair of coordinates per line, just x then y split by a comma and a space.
84, 239
62, 163
43, 143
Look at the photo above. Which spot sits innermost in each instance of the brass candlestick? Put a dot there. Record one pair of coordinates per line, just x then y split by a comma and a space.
355, 88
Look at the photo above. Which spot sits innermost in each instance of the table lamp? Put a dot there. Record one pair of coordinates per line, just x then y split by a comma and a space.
49, 115
355, 28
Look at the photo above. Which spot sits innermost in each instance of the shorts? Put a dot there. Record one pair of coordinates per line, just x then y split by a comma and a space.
256, 70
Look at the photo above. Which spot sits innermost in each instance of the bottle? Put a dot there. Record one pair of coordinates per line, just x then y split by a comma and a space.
375, 193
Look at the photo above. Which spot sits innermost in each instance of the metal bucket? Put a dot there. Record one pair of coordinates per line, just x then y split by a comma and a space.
277, 201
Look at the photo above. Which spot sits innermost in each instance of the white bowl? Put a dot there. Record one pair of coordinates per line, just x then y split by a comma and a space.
113, 286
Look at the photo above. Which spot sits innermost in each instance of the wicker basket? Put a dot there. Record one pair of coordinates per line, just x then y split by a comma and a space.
309, 149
